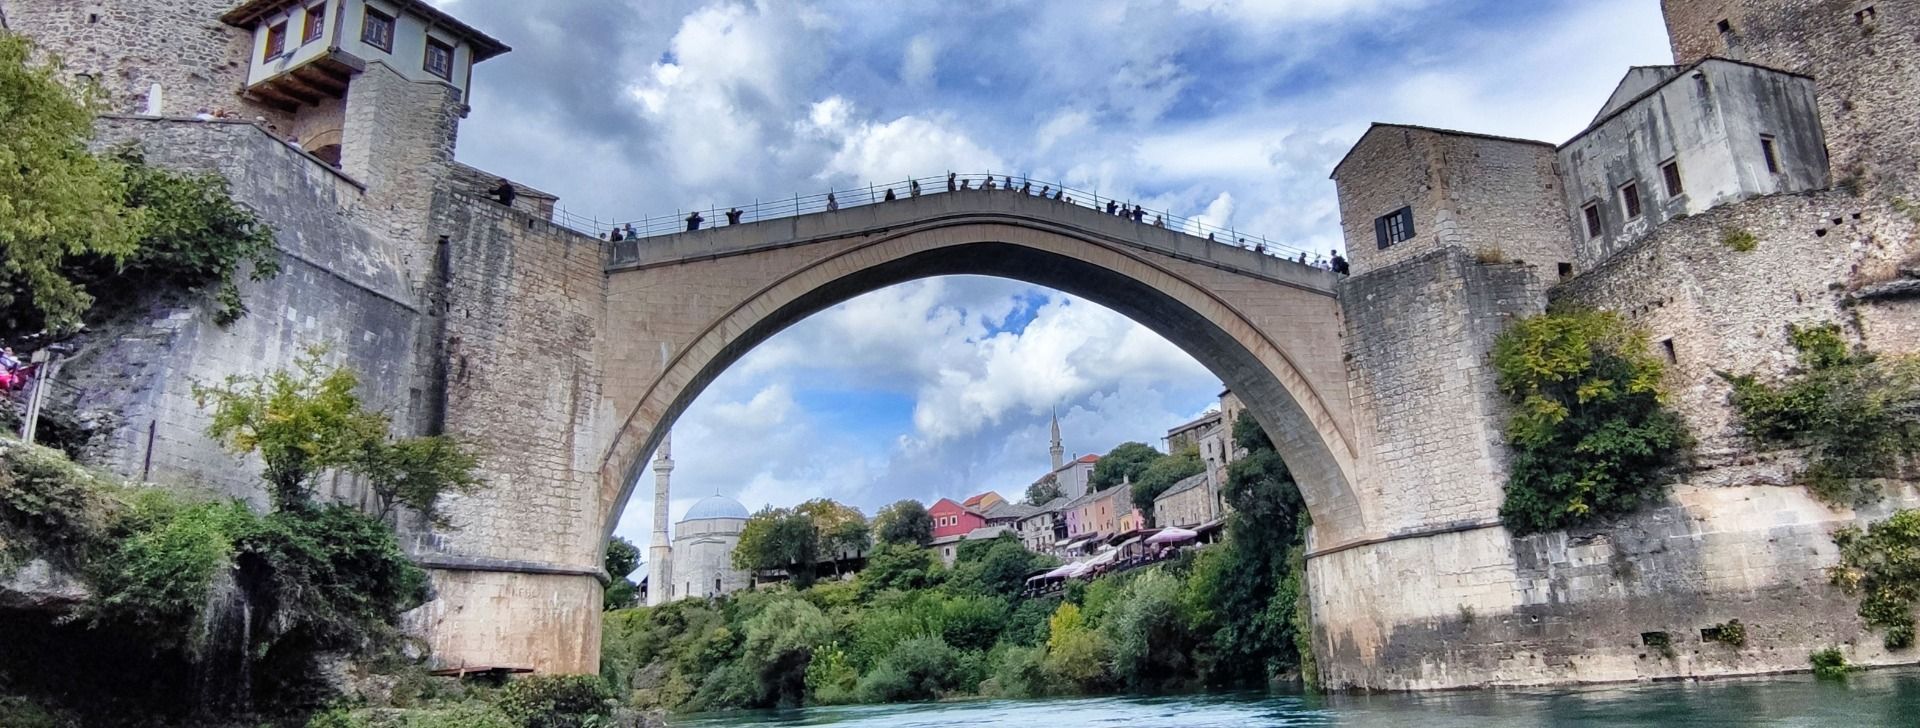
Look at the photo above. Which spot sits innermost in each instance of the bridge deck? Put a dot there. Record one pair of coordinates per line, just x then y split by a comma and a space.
976, 205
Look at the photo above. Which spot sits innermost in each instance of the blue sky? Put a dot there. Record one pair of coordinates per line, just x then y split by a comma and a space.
1230, 110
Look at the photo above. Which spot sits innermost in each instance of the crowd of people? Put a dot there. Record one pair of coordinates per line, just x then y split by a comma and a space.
957, 183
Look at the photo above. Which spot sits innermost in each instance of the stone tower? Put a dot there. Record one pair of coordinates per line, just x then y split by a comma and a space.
660, 554
1056, 450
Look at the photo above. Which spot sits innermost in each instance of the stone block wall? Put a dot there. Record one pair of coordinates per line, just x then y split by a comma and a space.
523, 329
130, 45
1419, 335
398, 138
1500, 197
340, 286
1864, 56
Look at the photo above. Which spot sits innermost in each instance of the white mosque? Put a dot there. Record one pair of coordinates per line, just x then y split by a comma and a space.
699, 561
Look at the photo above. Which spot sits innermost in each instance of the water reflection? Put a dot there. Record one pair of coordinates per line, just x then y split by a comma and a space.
1881, 698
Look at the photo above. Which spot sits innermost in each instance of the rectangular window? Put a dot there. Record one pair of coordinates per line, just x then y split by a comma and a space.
1670, 173
316, 24
439, 59
1592, 214
1630, 199
1393, 227
1767, 150
1666, 347
376, 30
276, 40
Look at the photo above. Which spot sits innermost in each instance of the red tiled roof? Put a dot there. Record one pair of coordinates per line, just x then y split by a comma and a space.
1089, 459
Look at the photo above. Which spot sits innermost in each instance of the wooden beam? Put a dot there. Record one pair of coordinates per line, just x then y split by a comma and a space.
274, 97
319, 80
298, 88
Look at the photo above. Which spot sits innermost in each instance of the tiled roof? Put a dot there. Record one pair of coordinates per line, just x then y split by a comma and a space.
1184, 485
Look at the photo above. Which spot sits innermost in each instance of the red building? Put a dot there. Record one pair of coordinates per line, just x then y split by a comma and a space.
953, 519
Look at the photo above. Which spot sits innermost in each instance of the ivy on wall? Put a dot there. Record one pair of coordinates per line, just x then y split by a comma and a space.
1856, 414
1589, 434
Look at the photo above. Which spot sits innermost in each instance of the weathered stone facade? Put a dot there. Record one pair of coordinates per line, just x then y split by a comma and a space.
1864, 57
129, 46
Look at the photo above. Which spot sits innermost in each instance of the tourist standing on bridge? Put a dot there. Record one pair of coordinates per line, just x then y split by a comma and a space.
733, 216
913, 188
694, 220
631, 234
1112, 206
1044, 189
1139, 214
889, 196
832, 204
1026, 187
1339, 264
950, 185
614, 236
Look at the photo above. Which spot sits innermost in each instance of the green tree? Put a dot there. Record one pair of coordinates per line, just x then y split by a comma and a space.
898, 566
308, 420
1044, 490
1149, 637
779, 539
904, 522
779, 644
57, 201
1163, 474
1127, 461
997, 566
838, 528
1589, 434
622, 558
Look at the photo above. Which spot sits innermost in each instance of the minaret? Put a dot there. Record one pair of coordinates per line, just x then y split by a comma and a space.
660, 555
1056, 450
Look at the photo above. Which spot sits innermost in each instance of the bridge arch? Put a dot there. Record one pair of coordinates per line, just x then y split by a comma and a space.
1278, 364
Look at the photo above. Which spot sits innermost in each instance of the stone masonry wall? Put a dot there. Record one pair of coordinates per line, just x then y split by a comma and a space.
339, 286
129, 45
1864, 56
398, 138
1498, 196
525, 308
1418, 339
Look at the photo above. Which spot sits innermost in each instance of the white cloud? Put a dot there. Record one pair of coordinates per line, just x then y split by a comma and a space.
919, 63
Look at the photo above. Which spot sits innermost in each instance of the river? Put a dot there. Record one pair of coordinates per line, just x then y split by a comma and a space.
1878, 698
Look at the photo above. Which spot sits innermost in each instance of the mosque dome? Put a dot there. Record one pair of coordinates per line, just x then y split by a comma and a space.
716, 506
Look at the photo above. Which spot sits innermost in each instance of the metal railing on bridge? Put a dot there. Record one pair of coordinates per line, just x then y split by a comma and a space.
876, 194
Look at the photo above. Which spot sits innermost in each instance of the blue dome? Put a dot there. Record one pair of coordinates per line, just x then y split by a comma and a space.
716, 506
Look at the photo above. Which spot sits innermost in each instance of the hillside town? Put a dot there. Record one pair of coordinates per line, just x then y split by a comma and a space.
1063, 514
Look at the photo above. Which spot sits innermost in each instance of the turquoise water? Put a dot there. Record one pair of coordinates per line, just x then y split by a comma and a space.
1880, 698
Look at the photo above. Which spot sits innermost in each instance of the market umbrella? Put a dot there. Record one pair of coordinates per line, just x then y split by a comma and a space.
1172, 535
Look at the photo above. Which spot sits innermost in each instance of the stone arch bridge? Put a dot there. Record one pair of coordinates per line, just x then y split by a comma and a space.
626, 335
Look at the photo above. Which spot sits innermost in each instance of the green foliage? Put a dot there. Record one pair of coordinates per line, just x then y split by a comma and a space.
22, 713
1148, 636
922, 668
779, 538
1590, 437
459, 715
831, 677
1163, 474
1021, 672
1739, 240
1044, 490
196, 236
1127, 461
1830, 664
49, 507
57, 202
1731, 633
168, 556
1857, 415
779, 645
998, 565
557, 701
308, 420
904, 522
621, 560
1882, 566
898, 566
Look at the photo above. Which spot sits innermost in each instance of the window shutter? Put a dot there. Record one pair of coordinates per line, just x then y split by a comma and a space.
1380, 232
1406, 217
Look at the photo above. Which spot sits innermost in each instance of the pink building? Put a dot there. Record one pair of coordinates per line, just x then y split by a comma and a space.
953, 519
